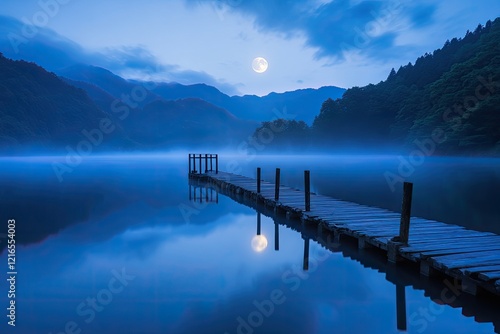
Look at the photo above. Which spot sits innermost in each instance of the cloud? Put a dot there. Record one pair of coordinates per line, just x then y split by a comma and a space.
55, 52
338, 27
139, 64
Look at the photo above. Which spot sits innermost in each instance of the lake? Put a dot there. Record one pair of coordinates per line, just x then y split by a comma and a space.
115, 245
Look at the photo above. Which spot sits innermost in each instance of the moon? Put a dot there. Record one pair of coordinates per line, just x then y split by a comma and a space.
260, 65
259, 243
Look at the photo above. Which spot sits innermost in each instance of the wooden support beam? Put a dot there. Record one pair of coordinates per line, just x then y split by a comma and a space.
277, 185
404, 227
258, 180
307, 189
200, 165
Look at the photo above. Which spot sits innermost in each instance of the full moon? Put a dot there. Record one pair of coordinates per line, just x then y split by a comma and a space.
260, 65
259, 243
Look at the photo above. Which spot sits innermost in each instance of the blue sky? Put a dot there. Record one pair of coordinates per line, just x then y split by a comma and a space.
307, 43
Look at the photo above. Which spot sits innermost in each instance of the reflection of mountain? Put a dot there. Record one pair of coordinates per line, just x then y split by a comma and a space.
128, 194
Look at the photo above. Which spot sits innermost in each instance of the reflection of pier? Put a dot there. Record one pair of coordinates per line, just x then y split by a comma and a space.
202, 193
440, 289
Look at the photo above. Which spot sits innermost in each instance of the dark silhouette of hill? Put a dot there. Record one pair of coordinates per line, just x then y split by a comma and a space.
450, 97
300, 104
108, 82
39, 111
192, 122
38, 108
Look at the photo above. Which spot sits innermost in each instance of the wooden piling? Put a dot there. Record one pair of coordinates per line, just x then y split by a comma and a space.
404, 227
211, 166
277, 185
258, 180
189, 163
206, 162
199, 171
216, 164
307, 190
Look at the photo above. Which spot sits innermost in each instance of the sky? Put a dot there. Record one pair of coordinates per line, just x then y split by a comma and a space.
308, 44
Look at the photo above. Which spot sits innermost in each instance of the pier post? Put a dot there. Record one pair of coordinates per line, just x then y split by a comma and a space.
200, 165
306, 254
189, 172
206, 162
307, 189
216, 164
258, 180
277, 185
211, 165
404, 227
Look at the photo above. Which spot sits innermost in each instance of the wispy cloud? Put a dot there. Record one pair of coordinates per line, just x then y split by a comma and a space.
55, 52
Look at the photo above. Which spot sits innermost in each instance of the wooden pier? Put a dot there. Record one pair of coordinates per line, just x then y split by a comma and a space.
469, 256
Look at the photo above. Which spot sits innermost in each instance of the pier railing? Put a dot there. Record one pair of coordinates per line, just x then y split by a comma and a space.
204, 162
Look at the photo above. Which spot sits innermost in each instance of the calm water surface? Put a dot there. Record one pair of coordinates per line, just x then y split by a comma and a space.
118, 247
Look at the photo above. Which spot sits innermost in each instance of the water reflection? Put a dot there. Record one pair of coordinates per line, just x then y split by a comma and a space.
484, 309
259, 243
196, 272
202, 193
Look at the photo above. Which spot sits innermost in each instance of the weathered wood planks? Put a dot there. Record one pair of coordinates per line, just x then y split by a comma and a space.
467, 255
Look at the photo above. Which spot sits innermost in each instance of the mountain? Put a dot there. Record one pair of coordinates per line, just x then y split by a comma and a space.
447, 102
69, 60
191, 121
300, 104
38, 108
155, 121
113, 85
41, 111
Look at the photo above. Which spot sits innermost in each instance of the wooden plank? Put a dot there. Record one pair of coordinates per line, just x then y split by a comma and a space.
452, 244
489, 276
455, 251
472, 270
465, 260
